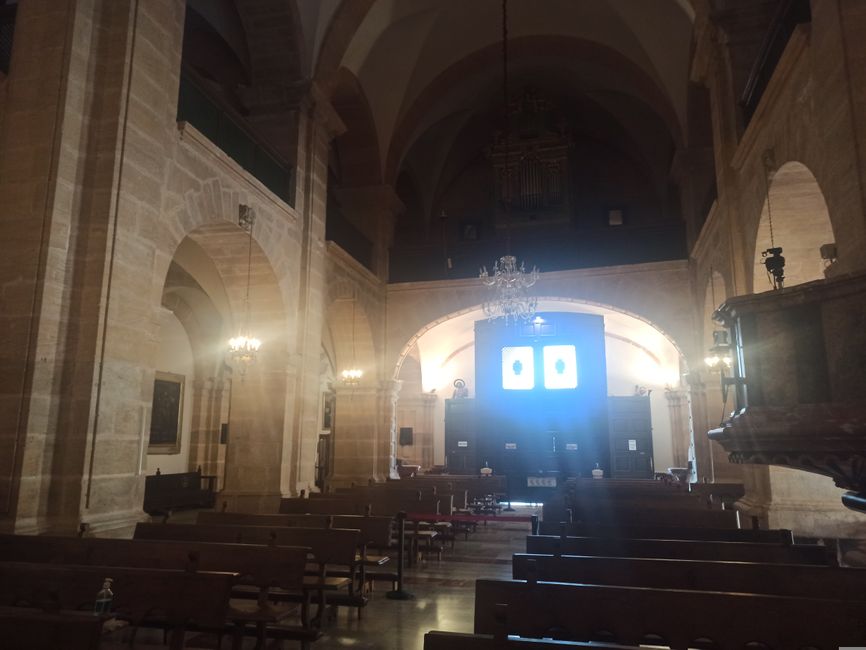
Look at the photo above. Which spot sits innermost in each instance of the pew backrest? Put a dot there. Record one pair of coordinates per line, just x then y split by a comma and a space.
32, 629
682, 549
670, 617
750, 577
179, 597
261, 566
775, 536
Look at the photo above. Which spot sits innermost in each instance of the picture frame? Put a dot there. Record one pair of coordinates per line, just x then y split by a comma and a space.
166, 415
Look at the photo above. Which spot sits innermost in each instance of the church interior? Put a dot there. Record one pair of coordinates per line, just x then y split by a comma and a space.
432, 323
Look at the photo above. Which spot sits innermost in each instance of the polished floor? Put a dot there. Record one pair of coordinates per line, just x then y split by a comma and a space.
443, 590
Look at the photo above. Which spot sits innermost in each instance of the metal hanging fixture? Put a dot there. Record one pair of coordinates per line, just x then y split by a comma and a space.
773, 260
244, 347
352, 376
509, 283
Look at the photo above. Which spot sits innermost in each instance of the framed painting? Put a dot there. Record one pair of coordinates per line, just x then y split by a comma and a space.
166, 414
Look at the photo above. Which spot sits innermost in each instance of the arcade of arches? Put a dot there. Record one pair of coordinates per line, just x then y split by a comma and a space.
367, 136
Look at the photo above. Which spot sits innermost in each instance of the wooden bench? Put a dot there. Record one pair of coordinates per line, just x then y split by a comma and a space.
676, 618
164, 493
777, 536
330, 548
719, 519
376, 532
23, 628
175, 600
682, 549
261, 568
751, 577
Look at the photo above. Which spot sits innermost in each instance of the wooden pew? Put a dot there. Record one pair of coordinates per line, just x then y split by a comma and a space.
177, 600
375, 532
777, 536
166, 492
23, 628
261, 567
719, 519
780, 579
682, 549
679, 619
330, 547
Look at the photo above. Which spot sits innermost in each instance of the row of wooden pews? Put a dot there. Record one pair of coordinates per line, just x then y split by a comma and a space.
221, 589
600, 576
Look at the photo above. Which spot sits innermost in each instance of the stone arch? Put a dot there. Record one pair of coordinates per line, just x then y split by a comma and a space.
350, 335
560, 47
640, 353
801, 224
216, 204
360, 162
249, 398
411, 344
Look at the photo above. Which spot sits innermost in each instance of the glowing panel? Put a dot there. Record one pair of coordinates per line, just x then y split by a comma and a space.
560, 367
518, 368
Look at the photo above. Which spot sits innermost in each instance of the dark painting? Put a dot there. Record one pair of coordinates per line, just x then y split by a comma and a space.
165, 415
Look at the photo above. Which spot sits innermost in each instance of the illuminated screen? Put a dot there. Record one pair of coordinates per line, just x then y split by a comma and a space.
560, 367
518, 368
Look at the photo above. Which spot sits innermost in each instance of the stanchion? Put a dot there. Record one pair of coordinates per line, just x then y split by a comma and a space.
398, 593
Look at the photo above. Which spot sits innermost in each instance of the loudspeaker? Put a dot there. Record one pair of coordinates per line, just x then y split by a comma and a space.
406, 436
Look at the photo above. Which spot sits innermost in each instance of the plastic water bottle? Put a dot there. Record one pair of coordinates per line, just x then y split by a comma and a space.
104, 598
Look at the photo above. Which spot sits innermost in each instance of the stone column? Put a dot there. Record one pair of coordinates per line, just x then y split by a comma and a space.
299, 122
681, 431
88, 125
700, 425
374, 210
317, 124
365, 433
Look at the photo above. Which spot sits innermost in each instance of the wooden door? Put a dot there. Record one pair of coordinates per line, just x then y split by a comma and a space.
631, 438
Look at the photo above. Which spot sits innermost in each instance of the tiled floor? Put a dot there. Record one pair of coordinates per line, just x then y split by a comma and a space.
444, 593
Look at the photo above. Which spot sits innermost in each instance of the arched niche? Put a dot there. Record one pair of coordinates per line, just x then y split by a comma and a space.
638, 354
220, 279
795, 218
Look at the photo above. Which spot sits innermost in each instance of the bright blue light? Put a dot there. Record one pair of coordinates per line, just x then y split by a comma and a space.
560, 367
518, 368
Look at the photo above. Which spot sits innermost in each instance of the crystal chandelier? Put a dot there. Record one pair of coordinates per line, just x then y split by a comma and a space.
244, 347
509, 283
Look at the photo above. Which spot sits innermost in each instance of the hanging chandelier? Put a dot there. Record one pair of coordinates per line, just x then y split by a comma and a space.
509, 286
352, 376
244, 347
509, 283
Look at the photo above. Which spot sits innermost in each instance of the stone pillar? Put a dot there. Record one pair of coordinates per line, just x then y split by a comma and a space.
365, 433
88, 125
700, 419
317, 124
681, 431
374, 210
299, 122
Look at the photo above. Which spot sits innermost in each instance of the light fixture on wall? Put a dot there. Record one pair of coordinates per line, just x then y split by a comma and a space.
719, 356
244, 346
352, 376
774, 262
509, 282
